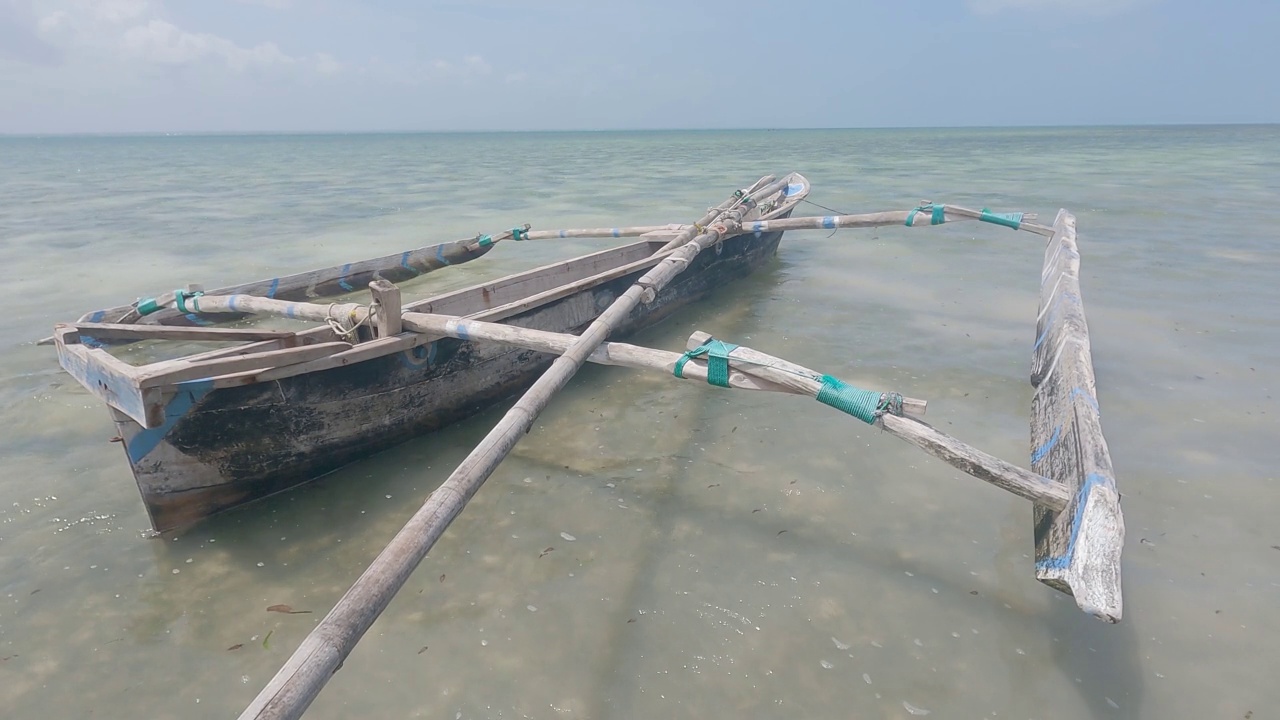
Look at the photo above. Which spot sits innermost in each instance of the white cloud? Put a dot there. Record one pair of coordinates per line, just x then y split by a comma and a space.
1081, 7
138, 31
163, 43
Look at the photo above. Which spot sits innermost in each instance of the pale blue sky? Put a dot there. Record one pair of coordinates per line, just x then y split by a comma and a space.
318, 65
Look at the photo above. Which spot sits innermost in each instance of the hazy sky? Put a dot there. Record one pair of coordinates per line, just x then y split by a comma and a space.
310, 65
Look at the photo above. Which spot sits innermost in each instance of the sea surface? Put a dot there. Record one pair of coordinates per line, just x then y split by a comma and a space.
658, 548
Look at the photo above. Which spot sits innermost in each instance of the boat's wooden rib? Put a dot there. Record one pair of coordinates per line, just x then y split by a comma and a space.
1077, 549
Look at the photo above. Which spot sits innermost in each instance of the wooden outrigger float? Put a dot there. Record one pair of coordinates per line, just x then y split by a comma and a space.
211, 431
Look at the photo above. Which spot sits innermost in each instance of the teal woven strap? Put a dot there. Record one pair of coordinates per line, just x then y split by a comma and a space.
1009, 220
146, 306
937, 214
717, 353
519, 234
866, 405
181, 296
484, 240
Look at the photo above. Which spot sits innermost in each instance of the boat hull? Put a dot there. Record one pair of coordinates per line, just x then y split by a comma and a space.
221, 448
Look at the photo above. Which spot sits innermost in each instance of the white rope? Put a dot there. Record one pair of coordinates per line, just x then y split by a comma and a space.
343, 332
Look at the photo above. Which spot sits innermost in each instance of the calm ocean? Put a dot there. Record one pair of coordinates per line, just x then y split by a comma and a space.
899, 587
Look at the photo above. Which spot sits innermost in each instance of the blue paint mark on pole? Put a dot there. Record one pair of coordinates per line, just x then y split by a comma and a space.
564, 234
275, 285
440, 255
1048, 445
1048, 326
231, 303
757, 227
1081, 392
404, 262
289, 312
462, 332
342, 279
189, 393
1063, 561
197, 320
614, 232
829, 222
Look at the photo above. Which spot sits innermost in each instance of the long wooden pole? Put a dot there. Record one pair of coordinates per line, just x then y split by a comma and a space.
296, 685
950, 213
749, 369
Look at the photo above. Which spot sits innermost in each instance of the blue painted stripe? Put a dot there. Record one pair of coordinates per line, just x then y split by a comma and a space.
1063, 561
1040, 452
231, 303
289, 312
189, 393
564, 234
1093, 401
404, 262
462, 332
197, 320
829, 222
793, 189
614, 232
1048, 327
440, 255
97, 316
275, 285
757, 227
342, 280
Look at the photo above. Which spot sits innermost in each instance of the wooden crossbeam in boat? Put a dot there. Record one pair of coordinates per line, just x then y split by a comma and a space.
1077, 547
176, 371
121, 331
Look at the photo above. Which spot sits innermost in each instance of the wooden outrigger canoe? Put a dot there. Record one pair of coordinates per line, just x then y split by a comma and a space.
218, 429
215, 430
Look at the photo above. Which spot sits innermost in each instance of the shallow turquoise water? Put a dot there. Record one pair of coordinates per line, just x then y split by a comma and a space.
899, 585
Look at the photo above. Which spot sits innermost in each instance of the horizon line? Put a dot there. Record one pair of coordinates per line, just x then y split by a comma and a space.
459, 131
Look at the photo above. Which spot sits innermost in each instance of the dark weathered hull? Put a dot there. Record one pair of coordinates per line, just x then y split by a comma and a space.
220, 448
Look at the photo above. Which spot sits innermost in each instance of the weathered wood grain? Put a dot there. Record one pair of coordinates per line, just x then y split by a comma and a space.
387, 298
107, 378
1078, 548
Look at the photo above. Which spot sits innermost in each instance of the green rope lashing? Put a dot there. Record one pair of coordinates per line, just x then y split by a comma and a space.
146, 306
519, 234
937, 214
866, 405
717, 353
1009, 220
484, 240
181, 297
